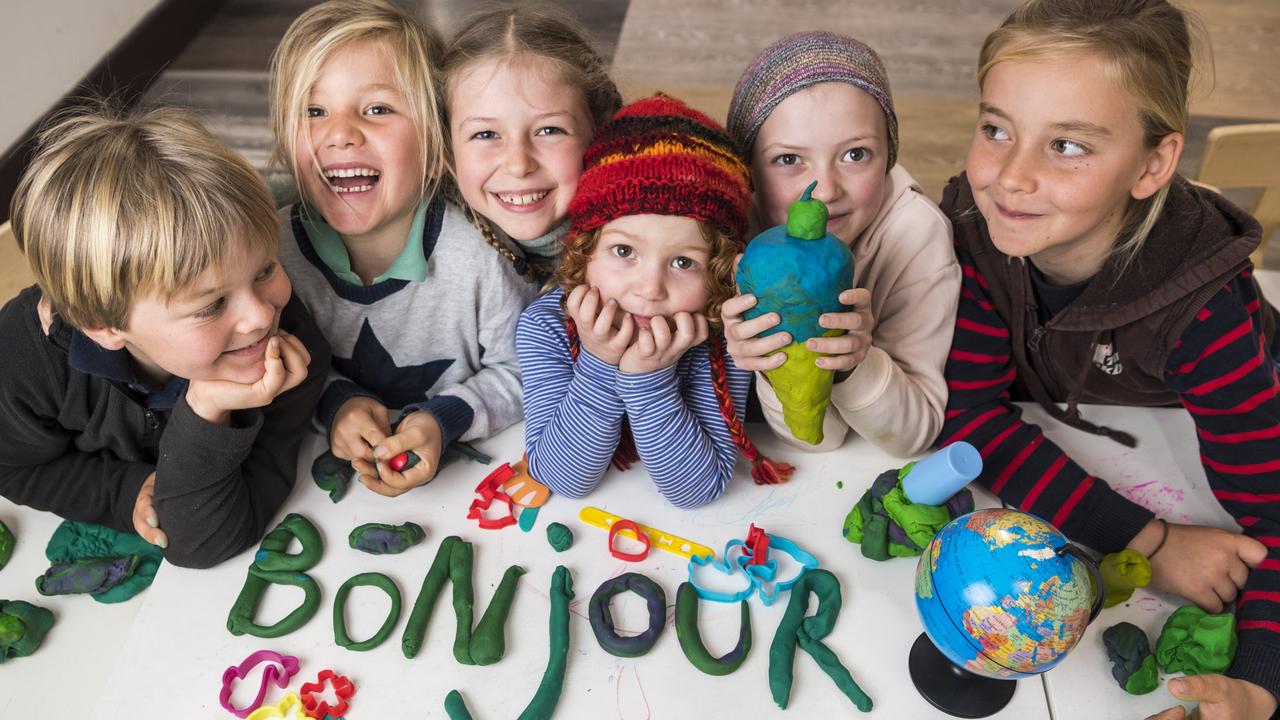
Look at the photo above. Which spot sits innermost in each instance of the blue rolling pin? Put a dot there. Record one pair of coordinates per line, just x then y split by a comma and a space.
933, 480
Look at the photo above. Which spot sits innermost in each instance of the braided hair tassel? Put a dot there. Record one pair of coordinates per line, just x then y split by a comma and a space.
764, 471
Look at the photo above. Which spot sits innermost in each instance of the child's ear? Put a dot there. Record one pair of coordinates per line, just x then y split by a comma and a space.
107, 338
1161, 164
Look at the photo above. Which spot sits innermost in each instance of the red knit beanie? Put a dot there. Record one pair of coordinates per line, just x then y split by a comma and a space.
658, 156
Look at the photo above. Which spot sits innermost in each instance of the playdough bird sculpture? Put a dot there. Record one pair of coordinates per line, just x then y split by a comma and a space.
798, 271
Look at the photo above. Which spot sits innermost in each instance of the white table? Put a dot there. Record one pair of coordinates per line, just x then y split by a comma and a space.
165, 650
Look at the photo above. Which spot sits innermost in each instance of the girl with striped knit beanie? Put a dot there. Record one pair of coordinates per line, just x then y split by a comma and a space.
628, 349
816, 106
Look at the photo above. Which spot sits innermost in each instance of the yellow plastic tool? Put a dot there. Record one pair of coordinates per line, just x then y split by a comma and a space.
290, 706
657, 538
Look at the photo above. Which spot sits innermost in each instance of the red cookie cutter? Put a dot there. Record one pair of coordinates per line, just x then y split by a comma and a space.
488, 492
318, 709
278, 673
619, 525
757, 545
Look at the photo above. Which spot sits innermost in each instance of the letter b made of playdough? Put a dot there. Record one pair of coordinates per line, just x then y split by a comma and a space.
272, 565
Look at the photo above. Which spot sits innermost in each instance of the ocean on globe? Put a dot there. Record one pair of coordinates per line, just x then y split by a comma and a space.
998, 598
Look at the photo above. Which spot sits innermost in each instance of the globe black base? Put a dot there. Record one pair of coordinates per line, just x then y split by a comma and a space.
951, 688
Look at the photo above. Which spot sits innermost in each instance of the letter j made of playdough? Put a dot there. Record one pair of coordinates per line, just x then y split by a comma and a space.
936, 478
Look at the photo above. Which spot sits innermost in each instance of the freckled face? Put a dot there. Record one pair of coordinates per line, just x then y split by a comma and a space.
1054, 160
835, 134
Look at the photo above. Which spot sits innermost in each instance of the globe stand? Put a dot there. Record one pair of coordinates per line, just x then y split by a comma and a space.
951, 688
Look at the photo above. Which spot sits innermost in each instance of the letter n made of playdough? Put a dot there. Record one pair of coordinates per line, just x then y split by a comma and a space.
808, 632
454, 563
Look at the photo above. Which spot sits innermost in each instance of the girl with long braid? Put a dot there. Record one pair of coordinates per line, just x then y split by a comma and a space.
629, 346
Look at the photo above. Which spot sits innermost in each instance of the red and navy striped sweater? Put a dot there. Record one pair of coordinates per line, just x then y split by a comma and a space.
1220, 369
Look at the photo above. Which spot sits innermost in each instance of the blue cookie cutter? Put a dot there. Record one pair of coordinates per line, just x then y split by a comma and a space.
737, 556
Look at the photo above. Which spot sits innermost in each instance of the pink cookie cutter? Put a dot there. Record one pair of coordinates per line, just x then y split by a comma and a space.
283, 668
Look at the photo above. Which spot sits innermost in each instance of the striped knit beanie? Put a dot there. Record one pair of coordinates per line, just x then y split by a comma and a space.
800, 61
658, 156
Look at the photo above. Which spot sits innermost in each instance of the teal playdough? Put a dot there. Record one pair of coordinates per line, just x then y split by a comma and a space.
272, 565
808, 632
453, 563
560, 537
22, 628
1195, 642
73, 541
6, 544
1132, 664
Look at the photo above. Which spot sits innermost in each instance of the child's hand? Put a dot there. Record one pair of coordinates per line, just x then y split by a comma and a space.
418, 432
358, 427
1205, 565
595, 322
846, 351
285, 367
145, 522
657, 346
748, 350
1220, 698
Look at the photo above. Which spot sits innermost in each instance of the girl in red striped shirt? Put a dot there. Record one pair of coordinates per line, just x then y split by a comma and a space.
1093, 273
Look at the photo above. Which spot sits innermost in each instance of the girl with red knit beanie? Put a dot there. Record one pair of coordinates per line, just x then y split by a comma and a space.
626, 357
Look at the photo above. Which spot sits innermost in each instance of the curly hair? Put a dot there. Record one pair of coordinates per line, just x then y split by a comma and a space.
578, 250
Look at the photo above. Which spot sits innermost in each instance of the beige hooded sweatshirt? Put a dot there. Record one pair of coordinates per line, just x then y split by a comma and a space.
896, 396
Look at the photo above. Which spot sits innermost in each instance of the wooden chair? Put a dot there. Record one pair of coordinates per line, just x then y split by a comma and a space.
1246, 156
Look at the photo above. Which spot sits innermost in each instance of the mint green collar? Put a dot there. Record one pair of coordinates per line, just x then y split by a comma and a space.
410, 265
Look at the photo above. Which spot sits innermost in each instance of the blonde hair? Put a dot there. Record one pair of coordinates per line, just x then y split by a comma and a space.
1145, 47
509, 32
326, 28
116, 206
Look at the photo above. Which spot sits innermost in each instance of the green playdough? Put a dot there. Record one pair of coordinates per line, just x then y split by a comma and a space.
73, 541
454, 563
1132, 663
384, 539
1122, 573
272, 565
1195, 642
22, 628
808, 632
6, 544
331, 474
560, 537
371, 579
543, 704
886, 524
691, 639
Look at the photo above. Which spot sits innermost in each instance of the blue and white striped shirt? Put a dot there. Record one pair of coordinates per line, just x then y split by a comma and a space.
574, 411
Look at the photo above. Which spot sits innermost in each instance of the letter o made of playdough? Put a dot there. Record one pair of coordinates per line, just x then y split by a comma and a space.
371, 579
240, 619
602, 621
691, 639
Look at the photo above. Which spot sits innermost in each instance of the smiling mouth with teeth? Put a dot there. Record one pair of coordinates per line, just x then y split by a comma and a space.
522, 198
348, 180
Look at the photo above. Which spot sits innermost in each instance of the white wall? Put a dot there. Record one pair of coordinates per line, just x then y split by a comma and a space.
47, 46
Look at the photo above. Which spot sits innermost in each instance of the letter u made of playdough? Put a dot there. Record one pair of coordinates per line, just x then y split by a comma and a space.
691, 639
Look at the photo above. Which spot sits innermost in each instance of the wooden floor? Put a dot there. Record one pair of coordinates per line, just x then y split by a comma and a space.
696, 50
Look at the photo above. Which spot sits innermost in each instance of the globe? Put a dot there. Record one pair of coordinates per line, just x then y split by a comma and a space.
1002, 595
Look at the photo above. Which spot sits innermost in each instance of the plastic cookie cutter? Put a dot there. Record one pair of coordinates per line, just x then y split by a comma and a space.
730, 566
488, 492
765, 576
280, 710
657, 538
620, 525
758, 545
278, 673
523, 489
318, 709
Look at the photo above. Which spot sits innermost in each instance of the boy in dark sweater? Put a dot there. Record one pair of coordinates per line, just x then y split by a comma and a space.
158, 378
